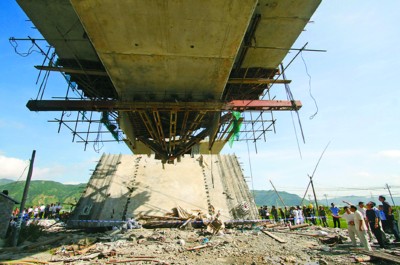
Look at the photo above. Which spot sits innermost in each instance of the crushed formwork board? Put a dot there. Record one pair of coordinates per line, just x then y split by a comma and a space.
381, 255
131, 186
280, 240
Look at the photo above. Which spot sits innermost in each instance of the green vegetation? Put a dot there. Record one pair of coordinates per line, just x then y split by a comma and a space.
269, 197
5, 181
45, 192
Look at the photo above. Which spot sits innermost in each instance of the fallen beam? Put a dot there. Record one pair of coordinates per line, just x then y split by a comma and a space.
114, 105
293, 227
382, 255
280, 240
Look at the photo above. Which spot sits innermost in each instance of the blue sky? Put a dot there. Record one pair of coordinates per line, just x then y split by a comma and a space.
354, 85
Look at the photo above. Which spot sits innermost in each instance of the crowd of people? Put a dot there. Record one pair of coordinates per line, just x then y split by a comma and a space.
363, 221
294, 215
49, 211
371, 221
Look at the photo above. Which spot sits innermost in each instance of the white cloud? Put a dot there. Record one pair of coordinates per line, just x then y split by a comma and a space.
395, 154
12, 168
17, 169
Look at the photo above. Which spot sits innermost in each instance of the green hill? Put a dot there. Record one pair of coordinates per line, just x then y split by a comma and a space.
269, 197
45, 192
5, 181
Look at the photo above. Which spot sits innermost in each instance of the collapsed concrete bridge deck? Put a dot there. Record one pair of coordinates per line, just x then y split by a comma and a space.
124, 186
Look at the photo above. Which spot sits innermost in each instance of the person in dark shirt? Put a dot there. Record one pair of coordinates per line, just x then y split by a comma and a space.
374, 223
322, 215
390, 221
274, 213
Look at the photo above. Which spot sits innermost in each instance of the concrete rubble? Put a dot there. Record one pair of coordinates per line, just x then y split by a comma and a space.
244, 244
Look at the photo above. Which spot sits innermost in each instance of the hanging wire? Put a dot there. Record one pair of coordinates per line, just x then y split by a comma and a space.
251, 171
98, 142
13, 184
309, 87
15, 45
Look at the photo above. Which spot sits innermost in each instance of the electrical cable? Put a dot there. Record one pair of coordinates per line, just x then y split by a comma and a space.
14, 44
251, 171
309, 87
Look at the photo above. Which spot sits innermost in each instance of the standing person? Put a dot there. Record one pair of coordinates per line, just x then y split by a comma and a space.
322, 215
266, 212
335, 215
391, 222
274, 213
58, 208
42, 207
47, 211
361, 208
349, 217
373, 220
261, 212
282, 214
306, 213
382, 216
287, 214
51, 210
295, 214
361, 228
301, 215
312, 214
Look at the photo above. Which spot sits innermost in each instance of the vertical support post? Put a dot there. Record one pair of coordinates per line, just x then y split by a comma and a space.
277, 194
315, 196
24, 196
390, 193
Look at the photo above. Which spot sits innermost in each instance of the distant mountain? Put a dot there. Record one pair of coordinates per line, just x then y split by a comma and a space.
44, 192
5, 181
269, 197
355, 199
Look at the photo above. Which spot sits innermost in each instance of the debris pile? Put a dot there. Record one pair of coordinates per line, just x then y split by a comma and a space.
244, 244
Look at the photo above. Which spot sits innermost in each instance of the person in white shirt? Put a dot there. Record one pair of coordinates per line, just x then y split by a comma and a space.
42, 207
361, 228
301, 216
296, 216
362, 209
349, 217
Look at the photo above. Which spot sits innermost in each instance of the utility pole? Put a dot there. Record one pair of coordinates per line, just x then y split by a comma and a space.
387, 186
326, 199
315, 196
277, 194
24, 196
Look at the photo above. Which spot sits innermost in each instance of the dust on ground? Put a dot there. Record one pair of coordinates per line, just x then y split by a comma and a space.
239, 245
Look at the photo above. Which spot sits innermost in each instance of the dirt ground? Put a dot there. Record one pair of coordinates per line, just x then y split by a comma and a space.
239, 245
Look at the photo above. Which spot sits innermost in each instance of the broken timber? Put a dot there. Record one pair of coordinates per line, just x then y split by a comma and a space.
381, 255
280, 240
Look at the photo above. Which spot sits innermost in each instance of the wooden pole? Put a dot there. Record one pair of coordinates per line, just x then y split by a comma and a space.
315, 197
278, 194
24, 196
387, 186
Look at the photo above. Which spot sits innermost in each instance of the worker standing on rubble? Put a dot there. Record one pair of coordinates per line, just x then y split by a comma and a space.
374, 223
322, 215
349, 217
335, 215
361, 227
390, 221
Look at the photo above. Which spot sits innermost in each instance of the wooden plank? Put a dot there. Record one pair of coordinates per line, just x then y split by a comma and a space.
382, 255
280, 240
257, 81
